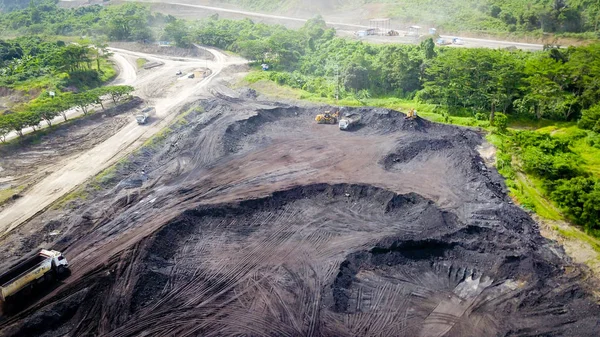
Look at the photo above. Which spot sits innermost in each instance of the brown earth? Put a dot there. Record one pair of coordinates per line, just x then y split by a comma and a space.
250, 219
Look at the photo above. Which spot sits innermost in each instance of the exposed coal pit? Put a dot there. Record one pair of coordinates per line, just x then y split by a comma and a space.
257, 221
335, 260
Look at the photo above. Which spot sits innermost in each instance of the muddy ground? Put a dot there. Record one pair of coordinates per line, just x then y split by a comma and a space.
250, 219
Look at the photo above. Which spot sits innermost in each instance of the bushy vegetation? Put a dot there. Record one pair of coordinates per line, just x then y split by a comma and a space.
46, 108
127, 22
32, 60
556, 161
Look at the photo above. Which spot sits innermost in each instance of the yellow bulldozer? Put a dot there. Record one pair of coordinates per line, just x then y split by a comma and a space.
327, 118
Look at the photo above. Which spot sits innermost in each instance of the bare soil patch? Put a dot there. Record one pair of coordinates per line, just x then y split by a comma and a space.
250, 219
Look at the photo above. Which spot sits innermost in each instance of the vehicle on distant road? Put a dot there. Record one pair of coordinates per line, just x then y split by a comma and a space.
45, 265
178, 73
191, 75
442, 42
457, 41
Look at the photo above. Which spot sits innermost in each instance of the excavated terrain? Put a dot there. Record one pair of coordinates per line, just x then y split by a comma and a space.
250, 219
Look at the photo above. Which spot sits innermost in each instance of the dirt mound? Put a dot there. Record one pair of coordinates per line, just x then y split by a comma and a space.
457, 286
252, 219
411, 150
151, 48
329, 260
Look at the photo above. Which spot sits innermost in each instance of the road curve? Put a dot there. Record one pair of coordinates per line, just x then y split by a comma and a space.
125, 76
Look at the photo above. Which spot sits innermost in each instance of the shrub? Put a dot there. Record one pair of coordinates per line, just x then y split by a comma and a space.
580, 199
480, 116
590, 119
500, 122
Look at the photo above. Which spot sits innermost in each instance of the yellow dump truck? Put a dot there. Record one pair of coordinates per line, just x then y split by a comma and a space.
45, 265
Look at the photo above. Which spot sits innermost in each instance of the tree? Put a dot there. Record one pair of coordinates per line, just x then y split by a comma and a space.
101, 52
356, 77
129, 22
16, 122
5, 127
428, 48
546, 94
590, 119
118, 91
97, 95
31, 119
582, 69
398, 68
178, 31
9, 51
84, 100
44, 110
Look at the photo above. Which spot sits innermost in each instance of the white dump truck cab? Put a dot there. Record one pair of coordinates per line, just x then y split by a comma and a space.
58, 258
142, 116
344, 123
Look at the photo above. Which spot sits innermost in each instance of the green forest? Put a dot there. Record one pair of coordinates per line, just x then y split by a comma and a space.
490, 88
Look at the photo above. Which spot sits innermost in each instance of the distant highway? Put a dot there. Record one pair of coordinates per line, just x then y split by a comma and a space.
468, 42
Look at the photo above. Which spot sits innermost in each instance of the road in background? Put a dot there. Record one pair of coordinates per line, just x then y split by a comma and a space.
349, 28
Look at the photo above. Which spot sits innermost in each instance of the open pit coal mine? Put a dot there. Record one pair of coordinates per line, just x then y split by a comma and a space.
250, 219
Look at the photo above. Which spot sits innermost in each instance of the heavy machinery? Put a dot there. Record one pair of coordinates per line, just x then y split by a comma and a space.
412, 114
392, 33
142, 116
327, 117
349, 121
45, 265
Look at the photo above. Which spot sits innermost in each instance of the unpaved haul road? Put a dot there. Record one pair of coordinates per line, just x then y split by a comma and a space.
157, 88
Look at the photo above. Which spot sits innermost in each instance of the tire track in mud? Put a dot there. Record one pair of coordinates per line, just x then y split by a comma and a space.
251, 241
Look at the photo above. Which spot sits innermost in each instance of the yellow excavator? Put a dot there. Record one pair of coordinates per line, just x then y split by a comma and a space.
412, 114
327, 118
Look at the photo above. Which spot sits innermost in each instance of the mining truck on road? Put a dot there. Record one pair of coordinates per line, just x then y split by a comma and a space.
45, 265
142, 116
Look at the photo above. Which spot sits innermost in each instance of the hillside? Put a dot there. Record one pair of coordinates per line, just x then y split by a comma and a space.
493, 16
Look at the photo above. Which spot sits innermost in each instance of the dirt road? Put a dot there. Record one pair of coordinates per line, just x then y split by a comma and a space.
160, 89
